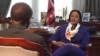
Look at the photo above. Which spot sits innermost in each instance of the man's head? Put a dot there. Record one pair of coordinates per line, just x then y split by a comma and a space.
21, 12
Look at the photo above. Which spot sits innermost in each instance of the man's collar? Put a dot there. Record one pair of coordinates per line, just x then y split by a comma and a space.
17, 26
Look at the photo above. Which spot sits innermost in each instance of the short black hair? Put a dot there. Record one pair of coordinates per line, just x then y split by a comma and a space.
21, 12
80, 16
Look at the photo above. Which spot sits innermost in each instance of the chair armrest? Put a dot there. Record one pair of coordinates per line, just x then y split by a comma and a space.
52, 48
87, 49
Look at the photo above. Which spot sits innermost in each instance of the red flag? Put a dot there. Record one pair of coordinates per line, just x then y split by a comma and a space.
50, 20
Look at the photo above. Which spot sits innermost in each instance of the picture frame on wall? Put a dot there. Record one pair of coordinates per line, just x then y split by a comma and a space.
43, 18
86, 17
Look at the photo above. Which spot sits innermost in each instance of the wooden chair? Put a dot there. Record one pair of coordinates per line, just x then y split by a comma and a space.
29, 48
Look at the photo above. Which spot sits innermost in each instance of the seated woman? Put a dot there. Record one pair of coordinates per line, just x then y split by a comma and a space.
71, 38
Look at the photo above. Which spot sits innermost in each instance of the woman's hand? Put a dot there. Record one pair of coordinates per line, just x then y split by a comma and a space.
59, 43
76, 45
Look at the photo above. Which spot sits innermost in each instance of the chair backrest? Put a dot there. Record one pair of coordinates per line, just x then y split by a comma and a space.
19, 45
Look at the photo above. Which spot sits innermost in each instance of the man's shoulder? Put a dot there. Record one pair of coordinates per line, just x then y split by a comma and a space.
3, 32
34, 36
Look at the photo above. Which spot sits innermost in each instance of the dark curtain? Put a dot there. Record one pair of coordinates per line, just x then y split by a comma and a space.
4, 6
92, 6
